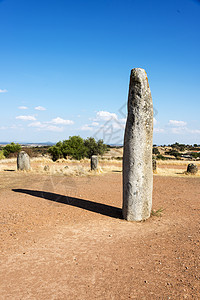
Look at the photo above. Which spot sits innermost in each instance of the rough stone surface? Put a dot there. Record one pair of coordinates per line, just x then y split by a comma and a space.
154, 165
23, 161
137, 159
94, 162
192, 168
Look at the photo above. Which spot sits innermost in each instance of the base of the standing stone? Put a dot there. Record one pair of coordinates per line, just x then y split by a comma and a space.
94, 163
23, 161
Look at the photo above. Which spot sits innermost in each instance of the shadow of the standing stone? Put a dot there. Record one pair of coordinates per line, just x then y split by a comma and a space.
103, 209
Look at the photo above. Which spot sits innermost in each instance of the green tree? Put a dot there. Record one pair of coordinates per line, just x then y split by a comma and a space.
95, 148
74, 147
77, 148
55, 152
1, 154
11, 149
156, 151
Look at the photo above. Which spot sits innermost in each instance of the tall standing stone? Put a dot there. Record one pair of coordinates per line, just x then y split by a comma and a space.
23, 161
94, 162
137, 159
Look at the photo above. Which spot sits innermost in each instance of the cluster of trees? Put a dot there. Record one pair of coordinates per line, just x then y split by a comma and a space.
11, 150
77, 148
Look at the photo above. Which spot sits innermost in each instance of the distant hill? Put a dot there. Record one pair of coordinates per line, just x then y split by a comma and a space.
30, 144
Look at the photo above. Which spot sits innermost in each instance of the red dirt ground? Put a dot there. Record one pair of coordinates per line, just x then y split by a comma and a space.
62, 238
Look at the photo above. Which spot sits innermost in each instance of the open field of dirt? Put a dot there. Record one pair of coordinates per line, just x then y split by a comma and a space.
62, 236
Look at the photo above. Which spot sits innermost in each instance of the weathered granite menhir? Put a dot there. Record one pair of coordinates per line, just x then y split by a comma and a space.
138, 141
23, 161
94, 162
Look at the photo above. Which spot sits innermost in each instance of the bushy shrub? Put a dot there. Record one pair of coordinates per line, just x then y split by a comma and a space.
195, 154
159, 156
173, 153
77, 148
94, 148
73, 147
55, 152
11, 149
1, 155
156, 151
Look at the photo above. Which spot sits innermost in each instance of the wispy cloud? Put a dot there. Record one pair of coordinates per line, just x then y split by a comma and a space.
105, 115
104, 120
3, 91
86, 127
23, 107
177, 123
194, 131
46, 127
95, 124
40, 108
158, 130
60, 121
26, 118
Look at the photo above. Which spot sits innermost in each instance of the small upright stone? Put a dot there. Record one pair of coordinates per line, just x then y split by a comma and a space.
192, 169
154, 165
23, 161
94, 162
46, 168
137, 159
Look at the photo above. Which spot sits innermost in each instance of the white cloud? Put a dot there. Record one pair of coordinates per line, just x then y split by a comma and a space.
26, 118
95, 124
86, 127
177, 123
158, 130
61, 121
3, 91
105, 121
46, 127
40, 108
23, 107
105, 115
194, 131
3, 128
35, 124
53, 128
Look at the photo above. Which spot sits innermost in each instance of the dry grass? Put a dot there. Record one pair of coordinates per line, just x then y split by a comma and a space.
177, 162
67, 167
174, 173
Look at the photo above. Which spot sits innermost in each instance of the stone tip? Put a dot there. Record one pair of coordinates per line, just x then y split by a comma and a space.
139, 75
138, 72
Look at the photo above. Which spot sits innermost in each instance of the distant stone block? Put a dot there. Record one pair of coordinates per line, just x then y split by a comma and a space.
154, 165
192, 169
94, 162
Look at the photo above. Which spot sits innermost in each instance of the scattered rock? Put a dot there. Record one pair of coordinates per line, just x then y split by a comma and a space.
192, 169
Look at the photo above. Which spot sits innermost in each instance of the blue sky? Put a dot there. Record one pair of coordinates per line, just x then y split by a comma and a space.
65, 67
